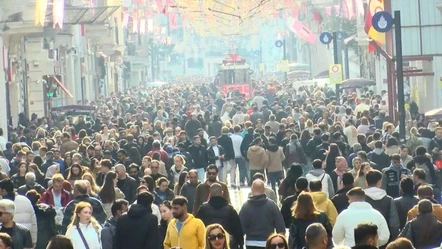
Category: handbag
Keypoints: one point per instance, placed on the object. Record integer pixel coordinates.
(82, 237)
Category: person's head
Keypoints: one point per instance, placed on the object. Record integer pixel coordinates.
(213, 141)
(347, 180)
(356, 194)
(216, 190)
(82, 213)
(277, 241)
(304, 208)
(216, 237)
(395, 160)
(317, 164)
(374, 178)
(7, 210)
(341, 164)
(179, 207)
(366, 234)
(134, 170)
(425, 192)
(258, 187)
(6, 187)
(407, 186)
(193, 176)
(315, 185)
(316, 236)
(81, 187)
(163, 183)
(122, 154)
(400, 243)
(106, 165)
(155, 167)
(301, 184)
(166, 210)
(179, 161)
(60, 242)
(5, 241)
(211, 172)
(145, 199)
(30, 178)
(356, 162)
(419, 176)
(425, 206)
(119, 207)
(120, 169)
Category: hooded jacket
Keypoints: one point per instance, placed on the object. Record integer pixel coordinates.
(174, 175)
(380, 201)
(191, 235)
(139, 218)
(218, 210)
(276, 157)
(324, 204)
(391, 178)
(356, 213)
(270, 219)
(327, 183)
(257, 157)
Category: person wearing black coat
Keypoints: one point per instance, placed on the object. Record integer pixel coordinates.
(125, 183)
(286, 208)
(45, 220)
(245, 144)
(215, 127)
(218, 210)
(406, 202)
(80, 190)
(340, 199)
(139, 218)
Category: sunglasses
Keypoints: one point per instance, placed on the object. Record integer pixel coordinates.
(279, 245)
(219, 236)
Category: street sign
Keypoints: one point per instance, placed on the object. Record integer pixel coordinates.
(335, 74)
(284, 66)
(340, 35)
(279, 43)
(325, 38)
(382, 21)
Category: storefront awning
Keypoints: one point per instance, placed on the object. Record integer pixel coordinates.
(63, 87)
(87, 15)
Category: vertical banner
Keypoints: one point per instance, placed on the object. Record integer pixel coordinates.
(374, 6)
(142, 26)
(58, 13)
(150, 25)
(135, 25)
(125, 19)
(40, 12)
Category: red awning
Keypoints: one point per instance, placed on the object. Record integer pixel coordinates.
(63, 87)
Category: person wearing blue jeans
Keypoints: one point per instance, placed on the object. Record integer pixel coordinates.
(244, 172)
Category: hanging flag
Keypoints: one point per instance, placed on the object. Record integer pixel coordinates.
(150, 25)
(295, 11)
(125, 19)
(374, 6)
(40, 12)
(58, 13)
(360, 7)
(142, 26)
(350, 9)
(160, 5)
(301, 30)
(328, 10)
(135, 25)
(172, 21)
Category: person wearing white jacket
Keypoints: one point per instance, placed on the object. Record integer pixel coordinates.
(84, 230)
(24, 212)
(358, 212)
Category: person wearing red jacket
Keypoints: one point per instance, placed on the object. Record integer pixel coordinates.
(56, 196)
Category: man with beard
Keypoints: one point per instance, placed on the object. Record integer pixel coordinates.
(188, 189)
(202, 191)
(184, 231)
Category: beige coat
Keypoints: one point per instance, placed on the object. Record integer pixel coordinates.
(257, 157)
(275, 159)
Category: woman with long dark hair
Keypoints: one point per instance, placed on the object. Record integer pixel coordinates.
(110, 192)
(330, 159)
(287, 186)
(166, 216)
(181, 180)
(304, 213)
(134, 156)
(19, 178)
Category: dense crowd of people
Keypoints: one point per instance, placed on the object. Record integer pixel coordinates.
(159, 168)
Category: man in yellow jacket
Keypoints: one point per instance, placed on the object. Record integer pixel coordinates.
(185, 231)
